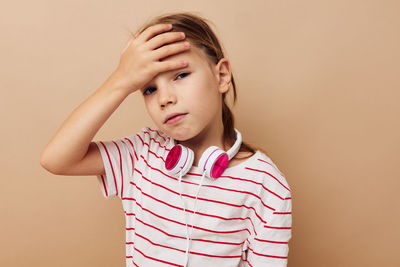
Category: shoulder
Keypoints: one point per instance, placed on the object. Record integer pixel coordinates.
(239, 158)
(272, 177)
(153, 137)
(150, 132)
(265, 162)
(274, 188)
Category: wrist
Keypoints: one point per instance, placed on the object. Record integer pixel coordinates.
(117, 82)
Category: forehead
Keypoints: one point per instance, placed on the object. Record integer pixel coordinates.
(194, 56)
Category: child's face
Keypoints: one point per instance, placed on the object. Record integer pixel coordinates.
(192, 90)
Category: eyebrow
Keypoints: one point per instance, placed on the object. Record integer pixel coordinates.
(168, 73)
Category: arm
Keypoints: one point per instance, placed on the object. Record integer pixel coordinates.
(270, 247)
(70, 151)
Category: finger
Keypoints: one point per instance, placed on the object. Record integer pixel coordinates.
(171, 49)
(153, 30)
(168, 65)
(130, 41)
(164, 38)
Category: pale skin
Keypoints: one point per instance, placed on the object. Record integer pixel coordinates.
(198, 94)
(148, 57)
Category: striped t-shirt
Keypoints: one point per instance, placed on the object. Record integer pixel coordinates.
(242, 218)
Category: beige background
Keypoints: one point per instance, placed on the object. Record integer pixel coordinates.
(318, 84)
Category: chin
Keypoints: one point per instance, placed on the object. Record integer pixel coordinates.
(180, 137)
(181, 134)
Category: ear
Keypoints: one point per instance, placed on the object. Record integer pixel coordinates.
(223, 74)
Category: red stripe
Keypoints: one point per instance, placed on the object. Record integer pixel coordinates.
(220, 188)
(143, 143)
(151, 152)
(266, 255)
(273, 167)
(228, 177)
(194, 227)
(146, 144)
(269, 175)
(166, 175)
(243, 179)
(104, 185)
(199, 198)
(181, 237)
(155, 141)
(155, 244)
(210, 186)
(203, 214)
(112, 169)
(155, 259)
(158, 133)
(120, 168)
(242, 192)
(278, 228)
(133, 148)
(191, 252)
(179, 208)
(270, 241)
(132, 164)
(235, 178)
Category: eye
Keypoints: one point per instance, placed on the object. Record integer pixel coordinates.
(184, 73)
(149, 91)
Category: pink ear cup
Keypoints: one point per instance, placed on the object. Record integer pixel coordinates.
(213, 162)
(219, 166)
(179, 160)
(173, 157)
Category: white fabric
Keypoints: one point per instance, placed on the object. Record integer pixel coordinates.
(242, 218)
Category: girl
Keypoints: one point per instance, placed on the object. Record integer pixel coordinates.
(193, 193)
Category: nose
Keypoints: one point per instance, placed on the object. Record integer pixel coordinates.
(166, 96)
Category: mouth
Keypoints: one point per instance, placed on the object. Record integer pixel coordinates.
(173, 118)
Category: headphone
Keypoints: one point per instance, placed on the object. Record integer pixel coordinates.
(213, 163)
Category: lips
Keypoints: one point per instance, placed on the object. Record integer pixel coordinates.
(171, 116)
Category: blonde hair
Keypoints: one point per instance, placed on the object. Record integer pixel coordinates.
(199, 33)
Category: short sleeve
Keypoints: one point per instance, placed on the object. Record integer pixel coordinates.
(269, 247)
(119, 158)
